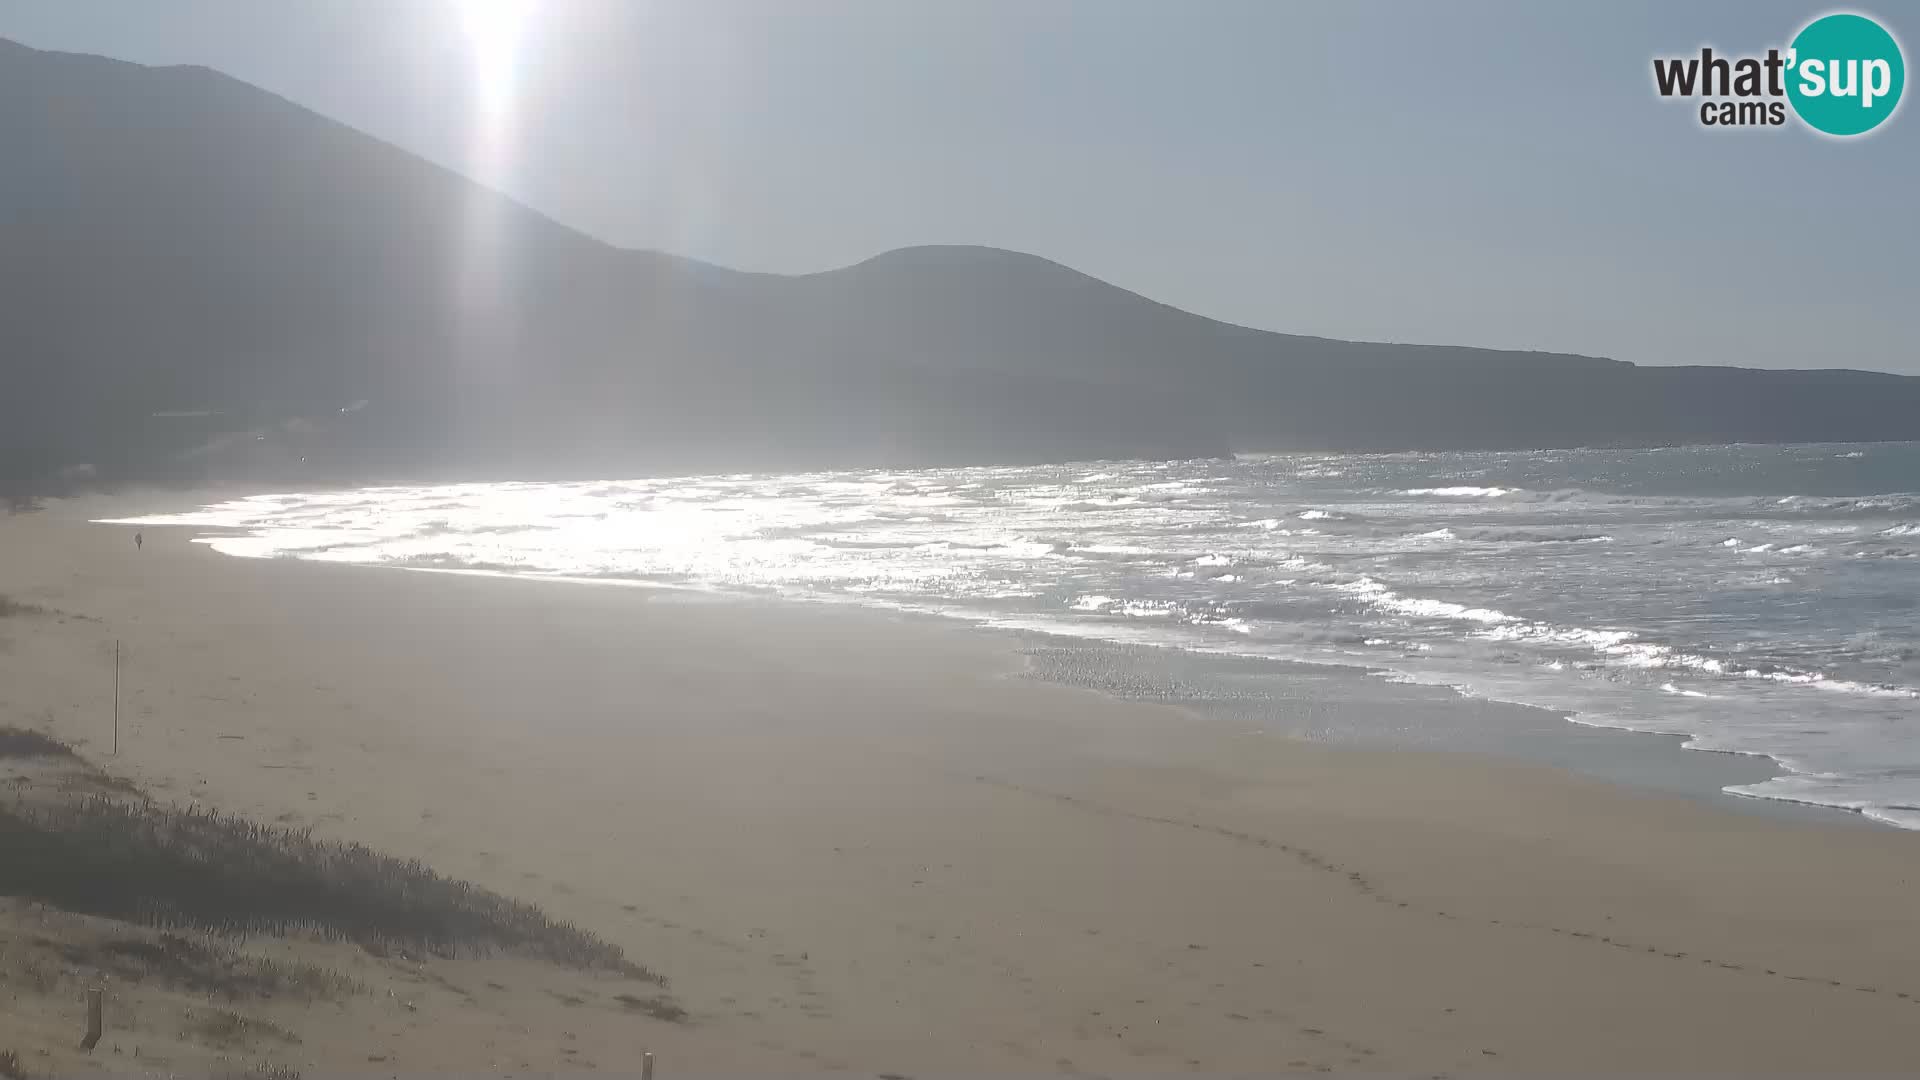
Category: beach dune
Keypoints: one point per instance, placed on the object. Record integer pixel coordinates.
(859, 842)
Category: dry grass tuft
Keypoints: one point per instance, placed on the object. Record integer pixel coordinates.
(206, 968)
(262, 1072)
(191, 868)
(20, 742)
(659, 1008)
(10, 607)
(218, 1027)
(94, 781)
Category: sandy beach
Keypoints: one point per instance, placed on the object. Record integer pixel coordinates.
(862, 843)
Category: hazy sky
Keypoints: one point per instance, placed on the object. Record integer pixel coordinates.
(1477, 173)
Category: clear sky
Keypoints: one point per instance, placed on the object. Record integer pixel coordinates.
(1496, 174)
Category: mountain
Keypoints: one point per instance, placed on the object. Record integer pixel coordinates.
(198, 277)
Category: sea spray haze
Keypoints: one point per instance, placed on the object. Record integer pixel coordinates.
(1760, 599)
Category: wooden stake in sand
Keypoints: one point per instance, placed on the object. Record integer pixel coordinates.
(93, 1019)
(646, 1065)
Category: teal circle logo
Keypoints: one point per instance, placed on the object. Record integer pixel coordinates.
(1845, 74)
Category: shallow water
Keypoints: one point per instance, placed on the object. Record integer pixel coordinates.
(1758, 599)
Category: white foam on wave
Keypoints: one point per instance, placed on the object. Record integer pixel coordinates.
(1462, 491)
(1669, 688)
(1548, 634)
(1843, 686)
(1623, 647)
(1618, 646)
(1833, 791)
(1382, 598)
(1113, 549)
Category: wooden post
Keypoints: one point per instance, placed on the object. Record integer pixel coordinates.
(93, 1019)
(646, 1065)
(116, 697)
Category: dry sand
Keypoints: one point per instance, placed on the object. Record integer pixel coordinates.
(860, 842)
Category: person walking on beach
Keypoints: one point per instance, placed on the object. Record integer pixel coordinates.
(138, 542)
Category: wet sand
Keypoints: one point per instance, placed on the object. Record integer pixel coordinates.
(858, 842)
(1362, 706)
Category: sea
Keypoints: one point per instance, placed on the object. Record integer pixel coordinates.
(1756, 600)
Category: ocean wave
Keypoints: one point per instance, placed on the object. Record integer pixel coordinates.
(1769, 548)
(1854, 506)
(1536, 536)
(1382, 598)
(1017, 549)
(1669, 688)
(1111, 549)
(1540, 633)
(1834, 791)
(1172, 610)
(1462, 492)
(1626, 648)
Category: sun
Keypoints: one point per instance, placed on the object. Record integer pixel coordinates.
(494, 30)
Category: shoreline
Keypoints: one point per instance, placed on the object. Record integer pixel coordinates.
(1635, 758)
(1514, 731)
(859, 842)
